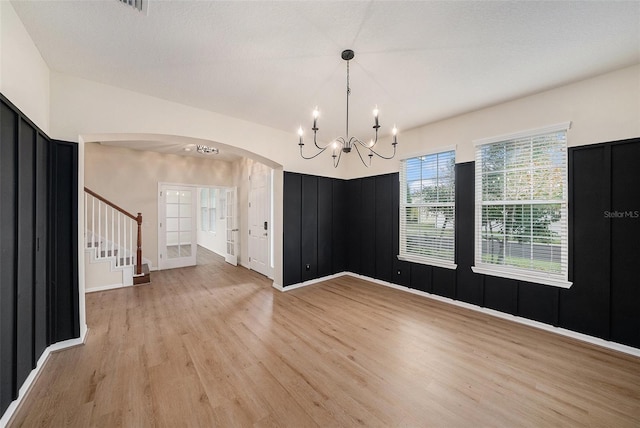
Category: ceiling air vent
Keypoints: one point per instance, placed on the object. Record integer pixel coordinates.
(141, 5)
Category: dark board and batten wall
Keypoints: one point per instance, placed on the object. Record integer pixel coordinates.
(38, 247)
(604, 250)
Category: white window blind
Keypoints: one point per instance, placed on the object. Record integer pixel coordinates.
(521, 207)
(427, 209)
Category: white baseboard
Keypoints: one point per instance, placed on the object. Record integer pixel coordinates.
(310, 282)
(33, 376)
(105, 287)
(520, 320)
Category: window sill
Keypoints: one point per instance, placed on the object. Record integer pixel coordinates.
(427, 261)
(522, 276)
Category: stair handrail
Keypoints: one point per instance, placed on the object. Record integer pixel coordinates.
(138, 220)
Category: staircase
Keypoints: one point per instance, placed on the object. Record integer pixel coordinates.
(113, 246)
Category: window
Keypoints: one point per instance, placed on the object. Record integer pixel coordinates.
(521, 206)
(208, 209)
(427, 209)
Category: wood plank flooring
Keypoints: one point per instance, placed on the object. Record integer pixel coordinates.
(215, 345)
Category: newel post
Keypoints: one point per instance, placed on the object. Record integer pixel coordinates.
(139, 243)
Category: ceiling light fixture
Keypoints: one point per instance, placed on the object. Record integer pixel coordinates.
(206, 150)
(345, 144)
(140, 5)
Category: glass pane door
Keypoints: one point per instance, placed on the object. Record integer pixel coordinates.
(179, 226)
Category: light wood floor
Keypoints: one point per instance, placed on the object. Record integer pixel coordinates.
(215, 345)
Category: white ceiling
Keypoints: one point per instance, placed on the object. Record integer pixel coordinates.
(271, 62)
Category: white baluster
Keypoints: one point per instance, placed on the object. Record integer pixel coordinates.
(119, 221)
(113, 241)
(93, 222)
(130, 243)
(86, 232)
(99, 228)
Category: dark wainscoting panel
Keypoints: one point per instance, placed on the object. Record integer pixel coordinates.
(339, 226)
(538, 302)
(402, 273)
(368, 230)
(64, 244)
(25, 269)
(292, 228)
(385, 226)
(41, 307)
(501, 294)
(422, 277)
(625, 243)
(469, 286)
(325, 226)
(354, 225)
(32, 211)
(585, 306)
(309, 248)
(8, 253)
(444, 282)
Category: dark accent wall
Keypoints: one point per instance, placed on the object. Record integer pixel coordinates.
(604, 248)
(38, 246)
(314, 244)
(333, 225)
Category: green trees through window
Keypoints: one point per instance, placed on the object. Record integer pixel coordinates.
(521, 203)
(427, 208)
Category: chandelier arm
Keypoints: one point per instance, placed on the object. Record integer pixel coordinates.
(336, 159)
(381, 156)
(316, 143)
(359, 155)
(314, 156)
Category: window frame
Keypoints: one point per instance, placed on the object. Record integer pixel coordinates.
(512, 272)
(414, 258)
(212, 194)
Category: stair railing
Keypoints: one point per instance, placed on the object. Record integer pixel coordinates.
(110, 230)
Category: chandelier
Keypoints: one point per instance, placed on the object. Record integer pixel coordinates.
(344, 144)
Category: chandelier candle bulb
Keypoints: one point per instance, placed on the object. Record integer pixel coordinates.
(375, 115)
(316, 113)
(394, 131)
(300, 132)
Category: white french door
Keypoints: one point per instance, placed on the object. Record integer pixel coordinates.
(232, 226)
(177, 242)
(260, 220)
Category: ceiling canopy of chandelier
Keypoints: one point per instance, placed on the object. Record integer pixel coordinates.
(344, 144)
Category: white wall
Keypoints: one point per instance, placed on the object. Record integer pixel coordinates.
(603, 108)
(24, 76)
